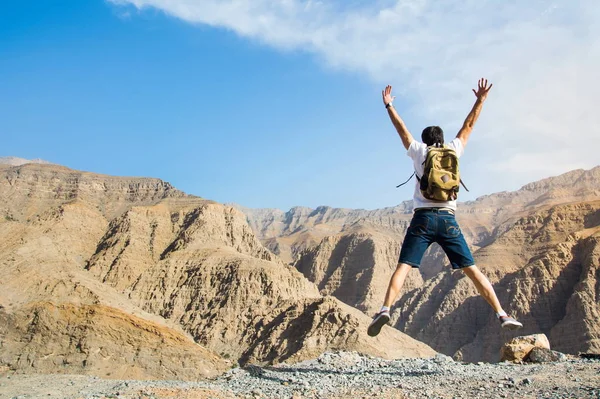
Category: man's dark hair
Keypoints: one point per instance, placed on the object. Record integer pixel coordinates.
(432, 135)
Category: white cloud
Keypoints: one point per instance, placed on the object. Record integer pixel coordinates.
(543, 57)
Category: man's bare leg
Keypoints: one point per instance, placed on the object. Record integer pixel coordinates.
(394, 287)
(486, 290)
(396, 283)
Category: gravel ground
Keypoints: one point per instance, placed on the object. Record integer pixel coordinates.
(341, 375)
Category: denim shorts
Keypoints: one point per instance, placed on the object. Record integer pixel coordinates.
(430, 225)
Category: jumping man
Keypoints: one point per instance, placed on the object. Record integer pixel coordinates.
(434, 220)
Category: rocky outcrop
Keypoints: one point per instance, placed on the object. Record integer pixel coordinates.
(143, 236)
(306, 329)
(98, 340)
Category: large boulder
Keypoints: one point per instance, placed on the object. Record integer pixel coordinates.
(518, 348)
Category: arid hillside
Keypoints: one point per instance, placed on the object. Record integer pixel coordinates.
(131, 278)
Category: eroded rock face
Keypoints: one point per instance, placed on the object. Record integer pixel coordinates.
(290, 233)
(30, 189)
(308, 328)
(355, 267)
(143, 236)
(102, 341)
(248, 308)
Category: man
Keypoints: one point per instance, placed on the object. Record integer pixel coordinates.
(434, 221)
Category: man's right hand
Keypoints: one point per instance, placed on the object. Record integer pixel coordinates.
(482, 89)
(387, 95)
(403, 132)
(481, 94)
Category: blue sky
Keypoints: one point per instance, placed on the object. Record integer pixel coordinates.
(278, 103)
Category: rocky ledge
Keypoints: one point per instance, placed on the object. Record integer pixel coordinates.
(342, 375)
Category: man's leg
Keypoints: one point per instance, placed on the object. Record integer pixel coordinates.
(396, 283)
(454, 245)
(486, 290)
(394, 287)
(419, 236)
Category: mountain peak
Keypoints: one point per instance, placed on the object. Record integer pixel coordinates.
(16, 161)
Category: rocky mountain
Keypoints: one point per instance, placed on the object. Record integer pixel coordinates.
(131, 278)
(274, 225)
(351, 254)
(16, 161)
(287, 234)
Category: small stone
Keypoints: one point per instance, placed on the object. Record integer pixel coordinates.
(441, 358)
(544, 355)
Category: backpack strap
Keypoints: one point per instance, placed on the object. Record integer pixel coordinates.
(400, 185)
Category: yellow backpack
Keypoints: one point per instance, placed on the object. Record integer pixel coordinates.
(441, 177)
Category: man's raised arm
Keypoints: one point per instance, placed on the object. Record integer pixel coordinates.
(481, 94)
(405, 135)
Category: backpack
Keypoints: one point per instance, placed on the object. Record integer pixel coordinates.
(441, 177)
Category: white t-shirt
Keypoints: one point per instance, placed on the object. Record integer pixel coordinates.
(417, 152)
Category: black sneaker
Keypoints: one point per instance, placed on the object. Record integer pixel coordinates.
(380, 319)
(509, 323)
